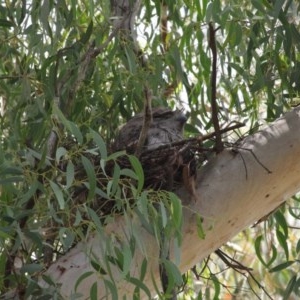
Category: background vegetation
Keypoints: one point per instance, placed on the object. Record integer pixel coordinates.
(67, 73)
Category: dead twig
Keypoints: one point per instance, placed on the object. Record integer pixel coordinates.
(236, 149)
(231, 262)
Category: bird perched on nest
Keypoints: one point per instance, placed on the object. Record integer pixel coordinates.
(163, 168)
(166, 127)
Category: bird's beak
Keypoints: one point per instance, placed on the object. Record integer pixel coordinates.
(181, 118)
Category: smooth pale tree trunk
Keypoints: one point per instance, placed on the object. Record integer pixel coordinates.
(233, 191)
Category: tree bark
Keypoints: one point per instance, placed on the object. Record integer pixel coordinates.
(234, 190)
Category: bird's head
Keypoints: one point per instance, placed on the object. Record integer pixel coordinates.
(180, 119)
(165, 117)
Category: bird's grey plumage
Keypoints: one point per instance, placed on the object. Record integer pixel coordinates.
(166, 127)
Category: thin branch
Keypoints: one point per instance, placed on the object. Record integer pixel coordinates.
(238, 267)
(214, 106)
(87, 58)
(113, 34)
(259, 285)
(146, 122)
(164, 25)
(164, 32)
(230, 262)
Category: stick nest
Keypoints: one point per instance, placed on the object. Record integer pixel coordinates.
(162, 168)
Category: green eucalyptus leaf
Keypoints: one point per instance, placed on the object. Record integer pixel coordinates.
(89, 169)
(282, 266)
(94, 291)
(140, 286)
(100, 143)
(137, 167)
(58, 194)
(60, 152)
(70, 174)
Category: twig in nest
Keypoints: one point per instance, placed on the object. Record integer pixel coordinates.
(198, 139)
